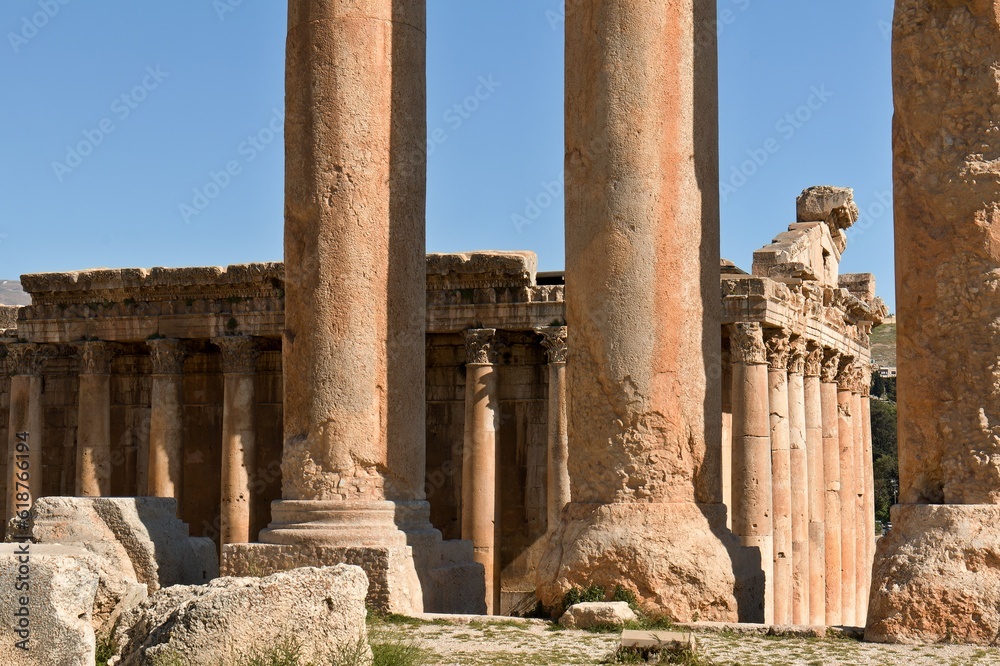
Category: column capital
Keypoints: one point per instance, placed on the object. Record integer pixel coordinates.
(239, 354)
(747, 343)
(831, 366)
(96, 357)
(778, 348)
(554, 341)
(798, 355)
(866, 378)
(167, 356)
(814, 360)
(481, 346)
(27, 358)
(849, 375)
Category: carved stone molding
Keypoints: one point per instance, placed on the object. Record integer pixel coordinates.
(814, 360)
(831, 366)
(797, 357)
(167, 356)
(849, 376)
(778, 344)
(28, 358)
(481, 346)
(239, 354)
(554, 341)
(747, 343)
(96, 357)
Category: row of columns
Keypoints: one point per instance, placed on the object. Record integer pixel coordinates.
(802, 491)
(480, 467)
(165, 460)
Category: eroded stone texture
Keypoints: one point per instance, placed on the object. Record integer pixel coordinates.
(799, 471)
(778, 351)
(597, 614)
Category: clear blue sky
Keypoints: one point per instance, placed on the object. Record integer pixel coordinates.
(187, 88)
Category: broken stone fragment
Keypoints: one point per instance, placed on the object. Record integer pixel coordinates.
(825, 203)
(597, 614)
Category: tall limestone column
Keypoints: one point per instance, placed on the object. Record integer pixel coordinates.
(799, 470)
(93, 432)
(239, 436)
(848, 501)
(557, 459)
(868, 505)
(945, 539)
(817, 485)
(752, 469)
(25, 427)
(726, 477)
(778, 350)
(642, 305)
(862, 564)
(831, 477)
(480, 520)
(166, 419)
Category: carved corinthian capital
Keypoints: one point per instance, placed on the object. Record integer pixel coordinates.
(778, 344)
(866, 379)
(554, 341)
(481, 346)
(747, 343)
(96, 357)
(167, 356)
(849, 375)
(797, 357)
(814, 360)
(27, 358)
(239, 354)
(831, 366)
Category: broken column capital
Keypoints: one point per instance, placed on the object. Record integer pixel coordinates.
(554, 341)
(239, 354)
(167, 356)
(747, 343)
(28, 358)
(96, 357)
(481, 346)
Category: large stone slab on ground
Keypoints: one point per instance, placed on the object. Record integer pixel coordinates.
(57, 586)
(591, 614)
(321, 608)
(937, 576)
(141, 536)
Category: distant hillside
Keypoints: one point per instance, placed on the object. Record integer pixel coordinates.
(884, 345)
(12, 294)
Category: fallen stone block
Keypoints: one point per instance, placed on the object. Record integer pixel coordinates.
(322, 609)
(659, 640)
(597, 614)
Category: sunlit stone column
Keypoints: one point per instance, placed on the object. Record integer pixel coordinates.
(558, 491)
(778, 350)
(642, 306)
(861, 563)
(726, 476)
(848, 495)
(799, 466)
(752, 473)
(479, 460)
(239, 436)
(166, 420)
(817, 485)
(25, 426)
(93, 432)
(831, 477)
(868, 505)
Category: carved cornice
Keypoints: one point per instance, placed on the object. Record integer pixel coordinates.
(831, 366)
(747, 343)
(96, 357)
(554, 341)
(797, 357)
(167, 356)
(28, 358)
(778, 344)
(481, 346)
(239, 354)
(849, 377)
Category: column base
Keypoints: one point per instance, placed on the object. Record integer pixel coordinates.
(410, 569)
(677, 558)
(937, 576)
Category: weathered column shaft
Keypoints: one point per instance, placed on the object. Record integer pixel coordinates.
(831, 477)
(480, 522)
(166, 422)
(817, 486)
(93, 433)
(25, 428)
(848, 494)
(868, 506)
(726, 475)
(778, 350)
(557, 459)
(799, 469)
(239, 437)
(862, 565)
(752, 472)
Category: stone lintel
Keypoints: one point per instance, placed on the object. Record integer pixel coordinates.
(477, 270)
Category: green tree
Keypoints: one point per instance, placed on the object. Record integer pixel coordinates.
(878, 386)
(890, 388)
(885, 465)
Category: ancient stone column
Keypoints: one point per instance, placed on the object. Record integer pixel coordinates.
(480, 522)
(945, 537)
(166, 423)
(799, 471)
(752, 471)
(862, 565)
(831, 477)
(817, 485)
(642, 305)
(778, 350)
(239, 436)
(25, 426)
(93, 432)
(868, 505)
(848, 501)
(558, 490)
(726, 477)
